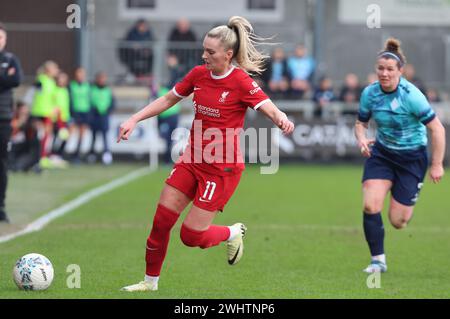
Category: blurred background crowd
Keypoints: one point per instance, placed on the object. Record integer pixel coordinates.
(78, 81)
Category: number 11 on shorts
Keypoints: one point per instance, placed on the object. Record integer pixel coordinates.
(210, 188)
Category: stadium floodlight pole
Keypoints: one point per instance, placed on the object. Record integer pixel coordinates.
(384, 35)
(83, 38)
(318, 22)
(159, 49)
(153, 144)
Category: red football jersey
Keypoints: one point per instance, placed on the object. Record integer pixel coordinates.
(220, 103)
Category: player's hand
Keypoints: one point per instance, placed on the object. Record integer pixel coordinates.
(285, 125)
(365, 146)
(436, 172)
(125, 129)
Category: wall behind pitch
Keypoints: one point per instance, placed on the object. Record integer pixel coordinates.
(111, 25)
(353, 47)
(37, 32)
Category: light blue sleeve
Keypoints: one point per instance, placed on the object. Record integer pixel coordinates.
(364, 112)
(419, 106)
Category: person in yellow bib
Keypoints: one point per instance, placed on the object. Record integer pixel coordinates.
(102, 101)
(42, 109)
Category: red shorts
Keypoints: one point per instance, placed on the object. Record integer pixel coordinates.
(208, 191)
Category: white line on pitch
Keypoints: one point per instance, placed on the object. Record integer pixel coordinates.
(41, 222)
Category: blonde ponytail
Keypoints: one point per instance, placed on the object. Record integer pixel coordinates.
(238, 35)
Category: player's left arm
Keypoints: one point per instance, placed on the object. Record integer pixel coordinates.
(253, 96)
(278, 117)
(420, 107)
(437, 131)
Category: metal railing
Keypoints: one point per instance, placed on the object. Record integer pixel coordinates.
(140, 60)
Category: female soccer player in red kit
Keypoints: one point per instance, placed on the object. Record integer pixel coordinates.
(208, 172)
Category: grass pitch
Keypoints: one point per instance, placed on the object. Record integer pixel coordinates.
(304, 240)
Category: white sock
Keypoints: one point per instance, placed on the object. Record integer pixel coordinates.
(234, 231)
(152, 279)
(381, 258)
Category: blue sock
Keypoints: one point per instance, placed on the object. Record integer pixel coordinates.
(374, 232)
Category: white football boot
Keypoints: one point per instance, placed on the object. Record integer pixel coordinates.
(375, 266)
(235, 247)
(141, 286)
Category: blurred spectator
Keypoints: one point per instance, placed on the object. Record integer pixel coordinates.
(301, 67)
(80, 108)
(62, 115)
(323, 95)
(351, 91)
(409, 72)
(433, 96)
(10, 77)
(25, 146)
(43, 108)
(350, 94)
(276, 75)
(102, 101)
(371, 78)
(167, 123)
(176, 70)
(180, 34)
(135, 51)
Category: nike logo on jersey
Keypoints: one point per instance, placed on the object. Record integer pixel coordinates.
(197, 88)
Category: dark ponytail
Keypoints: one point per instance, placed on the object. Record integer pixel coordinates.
(392, 50)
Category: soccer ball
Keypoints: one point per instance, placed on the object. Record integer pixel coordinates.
(33, 272)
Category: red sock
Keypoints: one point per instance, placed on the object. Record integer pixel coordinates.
(59, 122)
(47, 136)
(44, 143)
(158, 240)
(213, 236)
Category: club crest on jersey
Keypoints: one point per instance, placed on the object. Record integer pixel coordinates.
(394, 104)
(223, 96)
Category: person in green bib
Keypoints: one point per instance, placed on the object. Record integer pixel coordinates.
(62, 114)
(80, 107)
(102, 102)
(167, 123)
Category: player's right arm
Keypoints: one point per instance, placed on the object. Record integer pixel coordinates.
(362, 124)
(154, 108)
(364, 143)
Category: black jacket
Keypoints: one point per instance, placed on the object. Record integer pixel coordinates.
(8, 82)
(267, 74)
